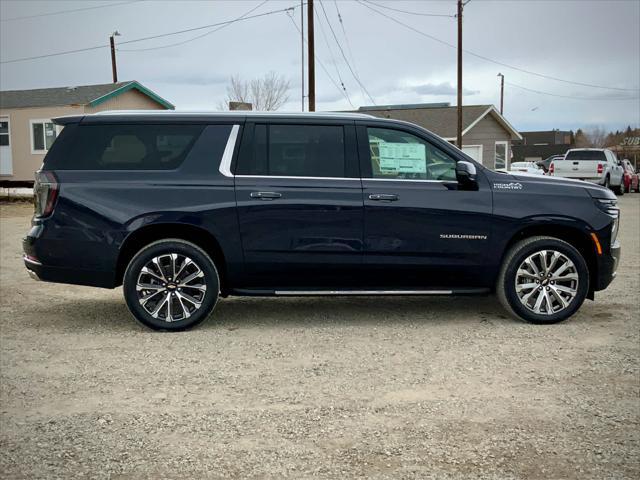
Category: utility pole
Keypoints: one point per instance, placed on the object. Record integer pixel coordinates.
(302, 52)
(311, 59)
(459, 136)
(114, 68)
(501, 93)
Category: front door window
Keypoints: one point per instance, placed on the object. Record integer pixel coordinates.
(396, 154)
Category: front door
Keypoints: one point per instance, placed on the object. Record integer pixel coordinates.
(420, 229)
(6, 163)
(299, 202)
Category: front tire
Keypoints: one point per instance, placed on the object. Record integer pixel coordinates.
(543, 280)
(171, 284)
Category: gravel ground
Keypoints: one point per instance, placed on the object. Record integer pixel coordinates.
(328, 388)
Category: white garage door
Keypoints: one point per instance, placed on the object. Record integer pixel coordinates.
(474, 151)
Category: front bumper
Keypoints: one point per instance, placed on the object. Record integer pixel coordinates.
(607, 267)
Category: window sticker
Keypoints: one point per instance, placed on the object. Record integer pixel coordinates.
(402, 157)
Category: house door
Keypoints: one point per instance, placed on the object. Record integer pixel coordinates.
(6, 164)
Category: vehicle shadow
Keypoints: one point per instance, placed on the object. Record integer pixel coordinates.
(259, 312)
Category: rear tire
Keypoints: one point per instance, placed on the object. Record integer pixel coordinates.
(171, 285)
(551, 297)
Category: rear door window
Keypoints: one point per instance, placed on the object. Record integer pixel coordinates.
(128, 147)
(296, 151)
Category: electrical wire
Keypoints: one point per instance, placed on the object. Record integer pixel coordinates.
(344, 93)
(482, 57)
(168, 34)
(355, 76)
(60, 12)
(333, 60)
(194, 38)
(346, 39)
(568, 96)
(410, 13)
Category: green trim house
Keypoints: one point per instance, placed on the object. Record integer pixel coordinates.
(26, 129)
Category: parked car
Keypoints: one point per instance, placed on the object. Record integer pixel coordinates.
(182, 209)
(630, 177)
(596, 165)
(544, 164)
(526, 167)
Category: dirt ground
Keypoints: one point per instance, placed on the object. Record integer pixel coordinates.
(316, 387)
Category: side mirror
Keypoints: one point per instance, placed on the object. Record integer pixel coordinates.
(466, 175)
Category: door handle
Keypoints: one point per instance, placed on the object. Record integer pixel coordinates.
(383, 197)
(265, 195)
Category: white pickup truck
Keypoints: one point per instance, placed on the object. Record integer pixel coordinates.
(596, 165)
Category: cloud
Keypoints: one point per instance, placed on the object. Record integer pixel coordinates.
(436, 89)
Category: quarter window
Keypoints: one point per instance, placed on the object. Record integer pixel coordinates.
(43, 134)
(296, 151)
(400, 155)
(129, 147)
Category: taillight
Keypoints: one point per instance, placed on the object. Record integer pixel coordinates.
(552, 169)
(600, 168)
(45, 193)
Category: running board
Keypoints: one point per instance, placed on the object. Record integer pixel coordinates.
(308, 293)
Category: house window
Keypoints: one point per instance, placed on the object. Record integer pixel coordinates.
(501, 155)
(4, 133)
(43, 134)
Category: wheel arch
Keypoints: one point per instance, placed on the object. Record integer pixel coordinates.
(143, 236)
(577, 237)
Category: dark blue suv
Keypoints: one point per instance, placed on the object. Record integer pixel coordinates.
(183, 208)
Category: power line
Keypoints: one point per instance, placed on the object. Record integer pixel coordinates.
(344, 94)
(194, 38)
(569, 96)
(346, 39)
(482, 57)
(411, 13)
(333, 60)
(264, 14)
(60, 12)
(343, 55)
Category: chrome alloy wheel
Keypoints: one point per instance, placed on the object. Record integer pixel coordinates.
(171, 287)
(546, 282)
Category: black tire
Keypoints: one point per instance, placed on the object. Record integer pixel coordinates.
(188, 313)
(607, 182)
(619, 190)
(506, 285)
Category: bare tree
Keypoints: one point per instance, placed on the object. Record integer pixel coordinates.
(597, 137)
(267, 93)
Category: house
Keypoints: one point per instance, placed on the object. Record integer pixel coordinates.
(539, 145)
(486, 134)
(26, 130)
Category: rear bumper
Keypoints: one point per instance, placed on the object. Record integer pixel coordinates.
(607, 267)
(35, 249)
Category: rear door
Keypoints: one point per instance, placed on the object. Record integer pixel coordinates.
(299, 202)
(420, 230)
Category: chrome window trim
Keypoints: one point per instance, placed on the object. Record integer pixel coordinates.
(227, 155)
(286, 177)
(408, 180)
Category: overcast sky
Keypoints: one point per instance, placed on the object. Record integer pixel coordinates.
(585, 41)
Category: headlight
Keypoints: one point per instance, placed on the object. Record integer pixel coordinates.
(610, 207)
